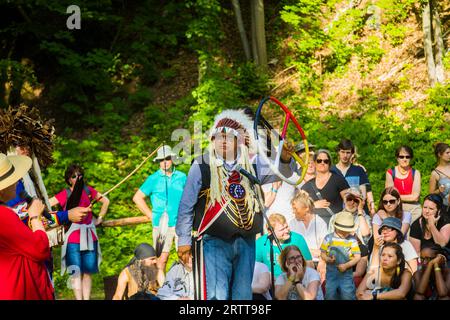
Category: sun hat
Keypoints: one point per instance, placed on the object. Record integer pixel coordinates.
(164, 152)
(12, 169)
(345, 221)
(354, 192)
(391, 222)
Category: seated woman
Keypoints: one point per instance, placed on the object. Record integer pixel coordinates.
(390, 206)
(390, 231)
(406, 180)
(297, 282)
(432, 280)
(140, 275)
(392, 281)
(432, 227)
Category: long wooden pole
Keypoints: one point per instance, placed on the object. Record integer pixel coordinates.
(125, 221)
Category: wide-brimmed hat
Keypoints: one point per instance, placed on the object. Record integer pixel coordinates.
(164, 152)
(300, 147)
(391, 222)
(354, 192)
(12, 168)
(345, 221)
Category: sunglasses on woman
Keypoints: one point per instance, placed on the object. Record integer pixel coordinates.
(404, 157)
(74, 176)
(392, 201)
(326, 161)
(166, 159)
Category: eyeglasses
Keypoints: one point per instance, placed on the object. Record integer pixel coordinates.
(404, 157)
(326, 161)
(74, 176)
(352, 199)
(388, 229)
(166, 159)
(392, 201)
(293, 259)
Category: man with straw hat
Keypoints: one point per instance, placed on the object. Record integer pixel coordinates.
(340, 251)
(164, 188)
(23, 251)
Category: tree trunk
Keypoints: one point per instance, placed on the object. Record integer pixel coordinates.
(439, 45)
(253, 23)
(260, 32)
(428, 43)
(240, 25)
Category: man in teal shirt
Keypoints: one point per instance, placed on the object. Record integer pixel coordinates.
(164, 187)
(287, 238)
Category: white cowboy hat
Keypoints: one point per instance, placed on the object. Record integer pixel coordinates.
(12, 168)
(164, 152)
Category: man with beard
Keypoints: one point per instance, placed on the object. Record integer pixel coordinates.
(140, 276)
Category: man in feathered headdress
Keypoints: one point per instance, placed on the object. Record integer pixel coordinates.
(220, 210)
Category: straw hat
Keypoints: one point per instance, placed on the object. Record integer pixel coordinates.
(344, 221)
(12, 168)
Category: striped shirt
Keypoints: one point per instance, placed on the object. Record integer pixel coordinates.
(344, 249)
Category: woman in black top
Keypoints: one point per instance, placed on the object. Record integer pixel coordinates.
(327, 189)
(431, 227)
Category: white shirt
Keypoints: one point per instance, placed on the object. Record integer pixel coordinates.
(310, 276)
(261, 268)
(314, 234)
(282, 202)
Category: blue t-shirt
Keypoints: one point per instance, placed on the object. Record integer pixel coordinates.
(155, 188)
(263, 250)
(355, 176)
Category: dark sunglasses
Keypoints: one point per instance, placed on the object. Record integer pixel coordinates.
(392, 201)
(404, 157)
(353, 199)
(326, 161)
(166, 159)
(74, 176)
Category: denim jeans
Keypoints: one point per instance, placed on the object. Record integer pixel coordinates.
(339, 285)
(229, 267)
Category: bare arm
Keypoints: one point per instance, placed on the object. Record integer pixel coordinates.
(389, 181)
(105, 204)
(361, 267)
(362, 288)
(139, 200)
(281, 291)
(121, 286)
(363, 225)
(442, 236)
(308, 293)
(434, 180)
(262, 283)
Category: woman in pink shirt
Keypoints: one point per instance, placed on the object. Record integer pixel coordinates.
(81, 250)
